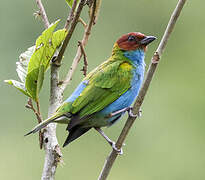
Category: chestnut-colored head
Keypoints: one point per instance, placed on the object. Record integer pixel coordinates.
(134, 40)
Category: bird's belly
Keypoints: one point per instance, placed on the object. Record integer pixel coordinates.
(125, 100)
(102, 118)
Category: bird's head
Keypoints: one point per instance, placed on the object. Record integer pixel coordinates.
(133, 41)
(132, 46)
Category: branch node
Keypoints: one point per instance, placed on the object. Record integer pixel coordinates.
(89, 3)
(28, 106)
(60, 82)
(57, 155)
(42, 13)
(155, 58)
(55, 62)
(41, 142)
(82, 22)
(37, 14)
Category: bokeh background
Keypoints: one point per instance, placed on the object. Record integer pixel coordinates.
(168, 142)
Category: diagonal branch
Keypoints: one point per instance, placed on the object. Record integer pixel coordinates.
(85, 66)
(37, 112)
(43, 13)
(154, 62)
(83, 43)
(71, 15)
(70, 32)
(29, 105)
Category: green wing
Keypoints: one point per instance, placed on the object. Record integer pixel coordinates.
(106, 84)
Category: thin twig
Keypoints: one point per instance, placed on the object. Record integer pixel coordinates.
(37, 112)
(97, 10)
(82, 22)
(41, 137)
(38, 109)
(29, 105)
(70, 32)
(85, 66)
(43, 13)
(71, 15)
(79, 52)
(154, 62)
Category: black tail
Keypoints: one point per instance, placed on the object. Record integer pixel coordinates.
(75, 133)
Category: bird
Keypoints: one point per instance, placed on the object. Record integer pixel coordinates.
(106, 93)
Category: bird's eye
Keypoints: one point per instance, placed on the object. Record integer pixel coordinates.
(131, 38)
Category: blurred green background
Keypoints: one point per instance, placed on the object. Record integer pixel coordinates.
(168, 142)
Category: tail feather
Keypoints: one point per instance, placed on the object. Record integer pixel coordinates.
(43, 124)
(75, 133)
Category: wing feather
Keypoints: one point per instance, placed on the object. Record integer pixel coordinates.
(106, 84)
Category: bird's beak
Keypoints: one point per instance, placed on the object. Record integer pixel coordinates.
(147, 40)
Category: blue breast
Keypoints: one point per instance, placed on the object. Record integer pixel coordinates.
(126, 99)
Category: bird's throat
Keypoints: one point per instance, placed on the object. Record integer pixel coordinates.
(136, 56)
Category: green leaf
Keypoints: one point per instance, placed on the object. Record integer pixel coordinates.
(40, 60)
(58, 37)
(42, 51)
(19, 85)
(70, 2)
(21, 68)
(40, 79)
(22, 64)
(35, 61)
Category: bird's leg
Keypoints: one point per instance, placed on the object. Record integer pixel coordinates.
(129, 110)
(112, 143)
(119, 111)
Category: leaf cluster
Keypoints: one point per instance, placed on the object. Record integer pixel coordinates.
(34, 62)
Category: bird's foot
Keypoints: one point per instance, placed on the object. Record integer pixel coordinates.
(111, 143)
(119, 151)
(130, 112)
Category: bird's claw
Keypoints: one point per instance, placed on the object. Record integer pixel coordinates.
(130, 112)
(119, 151)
